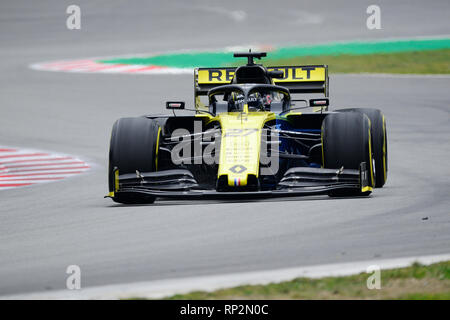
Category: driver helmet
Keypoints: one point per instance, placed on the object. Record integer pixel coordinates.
(255, 101)
(235, 101)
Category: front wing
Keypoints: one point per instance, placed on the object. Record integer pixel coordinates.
(298, 181)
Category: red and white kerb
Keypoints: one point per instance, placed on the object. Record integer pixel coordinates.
(24, 167)
(92, 66)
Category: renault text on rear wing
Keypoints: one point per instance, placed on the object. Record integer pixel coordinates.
(298, 79)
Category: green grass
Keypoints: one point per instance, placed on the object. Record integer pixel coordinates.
(192, 59)
(415, 282)
(420, 62)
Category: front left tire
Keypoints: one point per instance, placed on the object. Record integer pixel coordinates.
(346, 143)
(379, 142)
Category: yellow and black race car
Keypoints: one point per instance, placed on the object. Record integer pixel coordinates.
(247, 137)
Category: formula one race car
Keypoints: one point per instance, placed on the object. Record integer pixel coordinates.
(249, 138)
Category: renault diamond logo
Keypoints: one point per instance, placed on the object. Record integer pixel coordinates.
(238, 168)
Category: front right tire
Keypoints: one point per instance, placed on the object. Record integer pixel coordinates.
(133, 146)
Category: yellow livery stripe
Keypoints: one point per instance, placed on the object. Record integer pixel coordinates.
(116, 180)
(157, 149)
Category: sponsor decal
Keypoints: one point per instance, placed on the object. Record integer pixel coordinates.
(238, 168)
(290, 74)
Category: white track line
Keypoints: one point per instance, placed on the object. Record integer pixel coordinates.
(163, 288)
(236, 15)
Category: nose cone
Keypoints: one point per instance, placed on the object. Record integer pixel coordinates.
(240, 146)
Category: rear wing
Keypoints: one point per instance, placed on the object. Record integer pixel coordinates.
(298, 79)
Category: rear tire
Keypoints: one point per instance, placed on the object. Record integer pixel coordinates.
(379, 142)
(132, 147)
(346, 142)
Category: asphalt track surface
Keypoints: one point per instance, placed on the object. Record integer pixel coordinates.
(45, 228)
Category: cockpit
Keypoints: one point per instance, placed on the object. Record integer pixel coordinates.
(248, 98)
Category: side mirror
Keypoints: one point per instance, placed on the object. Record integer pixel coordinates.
(325, 102)
(175, 105)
